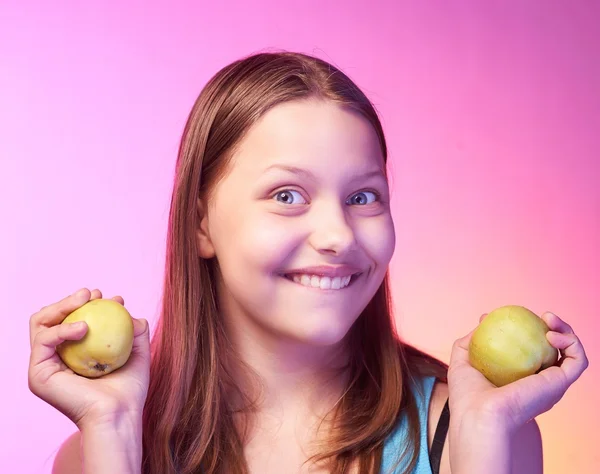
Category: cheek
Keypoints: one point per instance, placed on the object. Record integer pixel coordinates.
(255, 241)
(378, 238)
(270, 241)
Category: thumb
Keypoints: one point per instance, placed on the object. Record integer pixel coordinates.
(140, 352)
(460, 349)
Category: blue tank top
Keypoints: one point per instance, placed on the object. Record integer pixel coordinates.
(395, 444)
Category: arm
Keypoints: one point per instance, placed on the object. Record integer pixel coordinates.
(527, 455)
(123, 441)
(526, 443)
(484, 447)
(102, 449)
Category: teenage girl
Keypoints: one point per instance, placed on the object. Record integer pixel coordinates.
(275, 350)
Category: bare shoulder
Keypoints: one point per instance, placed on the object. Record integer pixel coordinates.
(527, 454)
(68, 458)
(439, 397)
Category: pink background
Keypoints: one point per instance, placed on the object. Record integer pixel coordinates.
(491, 109)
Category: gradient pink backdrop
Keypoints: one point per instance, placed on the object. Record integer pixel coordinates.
(491, 109)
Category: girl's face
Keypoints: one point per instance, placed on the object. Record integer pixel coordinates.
(301, 225)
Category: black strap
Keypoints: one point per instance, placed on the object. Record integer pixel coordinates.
(439, 438)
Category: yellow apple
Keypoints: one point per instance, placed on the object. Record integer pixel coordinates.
(509, 344)
(107, 343)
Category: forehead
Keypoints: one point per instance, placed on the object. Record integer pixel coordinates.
(316, 135)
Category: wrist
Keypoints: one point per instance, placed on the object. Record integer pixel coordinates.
(121, 437)
(110, 421)
(479, 443)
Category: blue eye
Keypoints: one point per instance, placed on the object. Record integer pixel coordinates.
(289, 197)
(362, 198)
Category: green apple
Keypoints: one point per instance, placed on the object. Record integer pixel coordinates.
(106, 345)
(509, 344)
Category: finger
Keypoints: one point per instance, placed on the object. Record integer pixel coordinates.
(56, 312)
(139, 326)
(96, 294)
(460, 349)
(45, 342)
(533, 395)
(556, 324)
(461, 371)
(118, 299)
(140, 353)
(463, 342)
(574, 360)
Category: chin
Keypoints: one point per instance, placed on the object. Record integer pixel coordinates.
(322, 336)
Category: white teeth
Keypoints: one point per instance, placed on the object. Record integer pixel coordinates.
(324, 283)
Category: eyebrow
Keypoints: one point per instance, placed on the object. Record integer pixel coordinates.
(308, 175)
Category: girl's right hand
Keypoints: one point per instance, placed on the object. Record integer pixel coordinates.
(86, 401)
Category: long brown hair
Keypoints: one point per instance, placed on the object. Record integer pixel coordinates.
(188, 426)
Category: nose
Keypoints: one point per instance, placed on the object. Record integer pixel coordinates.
(332, 234)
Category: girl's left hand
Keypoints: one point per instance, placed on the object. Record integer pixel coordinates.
(513, 405)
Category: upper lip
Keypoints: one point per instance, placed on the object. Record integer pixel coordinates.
(326, 270)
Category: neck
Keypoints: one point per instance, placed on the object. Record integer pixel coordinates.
(287, 377)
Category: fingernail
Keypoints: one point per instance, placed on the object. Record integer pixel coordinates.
(77, 325)
(78, 293)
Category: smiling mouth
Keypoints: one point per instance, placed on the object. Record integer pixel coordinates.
(322, 282)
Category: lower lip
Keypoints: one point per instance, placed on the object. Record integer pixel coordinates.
(352, 281)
